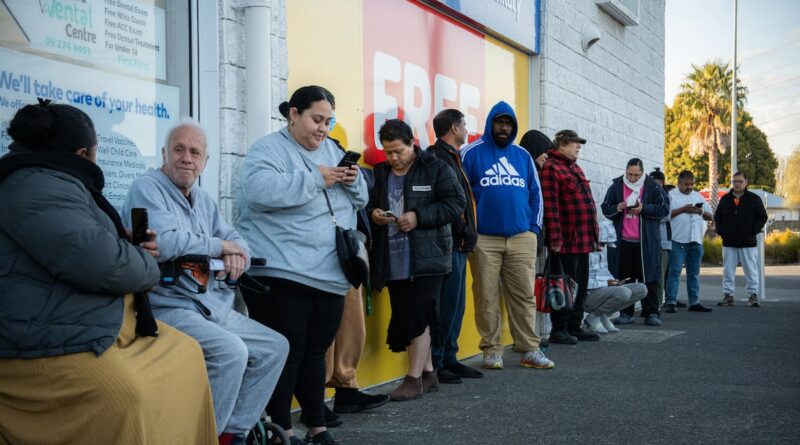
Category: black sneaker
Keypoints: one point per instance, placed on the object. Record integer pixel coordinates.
(323, 438)
(582, 335)
(561, 336)
(351, 400)
(671, 308)
(699, 308)
(681, 304)
(331, 419)
(447, 376)
(463, 371)
(752, 301)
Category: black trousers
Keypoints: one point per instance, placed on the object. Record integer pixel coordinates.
(309, 318)
(576, 266)
(630, 266)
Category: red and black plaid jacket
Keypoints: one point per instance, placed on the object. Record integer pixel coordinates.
(570, 214)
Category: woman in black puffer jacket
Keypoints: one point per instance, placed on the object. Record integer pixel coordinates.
(412, 246)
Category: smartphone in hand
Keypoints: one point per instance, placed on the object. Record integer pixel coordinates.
(139, 225)
(699, 205)
(389, 214)
(350, 158)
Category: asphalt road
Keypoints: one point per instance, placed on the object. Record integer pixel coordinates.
(730, 376)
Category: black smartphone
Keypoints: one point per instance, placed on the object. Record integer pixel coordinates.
(350, 158)
(699, 205)
(138, 225)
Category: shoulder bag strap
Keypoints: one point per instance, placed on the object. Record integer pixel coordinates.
(324, 192)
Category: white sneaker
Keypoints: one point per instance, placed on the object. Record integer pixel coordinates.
(493, 361)
(536, 359)
(608, 324)
(595, 325)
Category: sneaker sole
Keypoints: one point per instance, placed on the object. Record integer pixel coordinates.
(492, 366)
(535, 366)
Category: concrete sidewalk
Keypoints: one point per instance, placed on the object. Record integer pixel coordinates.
(730, 376)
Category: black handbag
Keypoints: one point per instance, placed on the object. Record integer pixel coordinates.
(557, 289)
(351, 250)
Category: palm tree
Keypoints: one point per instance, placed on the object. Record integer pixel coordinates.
(706, 92)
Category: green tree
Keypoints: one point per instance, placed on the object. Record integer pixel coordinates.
(706, 95)
(754, 156)
(791, 178)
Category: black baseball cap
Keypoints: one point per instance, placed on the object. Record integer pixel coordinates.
(568, 136)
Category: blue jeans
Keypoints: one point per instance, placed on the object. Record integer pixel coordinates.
(451, 312)
(689, 254)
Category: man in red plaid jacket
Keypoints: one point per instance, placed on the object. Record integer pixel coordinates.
(570, 217)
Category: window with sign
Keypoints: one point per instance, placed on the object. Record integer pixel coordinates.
(126, 63)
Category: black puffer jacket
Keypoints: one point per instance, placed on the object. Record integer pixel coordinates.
(432, 191)
(739, 224)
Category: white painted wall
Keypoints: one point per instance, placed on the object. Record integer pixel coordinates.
(612, 95)
(232, 98)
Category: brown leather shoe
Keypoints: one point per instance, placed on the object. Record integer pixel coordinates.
(430, 381)
(410, 389)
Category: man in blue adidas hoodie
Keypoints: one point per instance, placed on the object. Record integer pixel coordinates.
(509, 213)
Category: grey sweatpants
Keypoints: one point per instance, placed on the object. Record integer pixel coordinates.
(244, 360)
(610, 299)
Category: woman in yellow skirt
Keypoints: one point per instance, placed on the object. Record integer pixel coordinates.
(82, 360)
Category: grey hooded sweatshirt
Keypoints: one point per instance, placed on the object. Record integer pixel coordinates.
(183, 228)
(284, 216)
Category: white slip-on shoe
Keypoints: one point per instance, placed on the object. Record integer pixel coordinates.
(608, 324)
(595, 325)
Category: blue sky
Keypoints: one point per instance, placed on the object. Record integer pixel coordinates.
(768, 55)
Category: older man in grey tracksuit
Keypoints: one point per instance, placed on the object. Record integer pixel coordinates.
(244, 358)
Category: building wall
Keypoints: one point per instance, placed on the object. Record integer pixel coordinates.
(613, 94)
(232, 99)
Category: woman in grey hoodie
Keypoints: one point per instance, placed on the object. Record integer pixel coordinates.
(288, 179)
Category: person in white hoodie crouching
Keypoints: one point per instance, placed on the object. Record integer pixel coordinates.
(607, 294)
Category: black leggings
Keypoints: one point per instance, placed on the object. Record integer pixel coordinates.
(309, 319)
(630, 266)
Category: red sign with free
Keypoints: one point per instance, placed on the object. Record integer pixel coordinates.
(416, 63)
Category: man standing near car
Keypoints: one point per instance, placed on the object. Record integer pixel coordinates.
(739, 218)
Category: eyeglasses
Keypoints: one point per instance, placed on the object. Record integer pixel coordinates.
(739, 181)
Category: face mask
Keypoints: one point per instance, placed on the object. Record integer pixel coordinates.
(332, 123)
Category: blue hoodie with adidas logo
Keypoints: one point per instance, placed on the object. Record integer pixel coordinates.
(504, 181)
